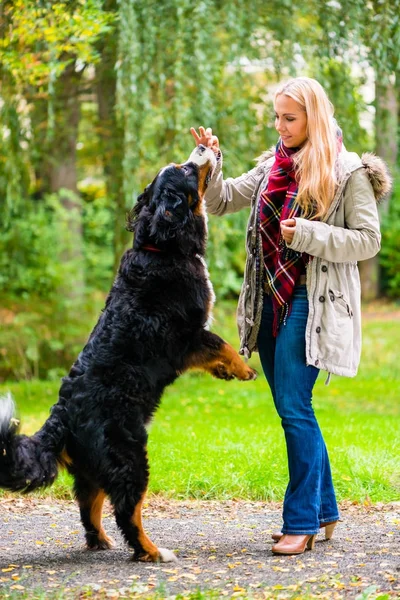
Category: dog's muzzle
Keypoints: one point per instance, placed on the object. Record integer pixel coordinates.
(204, 158)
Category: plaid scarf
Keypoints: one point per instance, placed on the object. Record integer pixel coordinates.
(283, 266)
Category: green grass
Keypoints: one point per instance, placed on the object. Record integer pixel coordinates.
(214, 439)
(160, 593)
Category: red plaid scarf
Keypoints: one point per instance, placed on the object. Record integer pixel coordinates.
(283, 266)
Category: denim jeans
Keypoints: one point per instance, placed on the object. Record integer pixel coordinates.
(310, 497)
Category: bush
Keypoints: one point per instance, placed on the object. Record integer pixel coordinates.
(42, 338)
(45, 316)
(35, 248)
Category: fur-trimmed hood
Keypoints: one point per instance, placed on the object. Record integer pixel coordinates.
(376, 168)
(378, 173)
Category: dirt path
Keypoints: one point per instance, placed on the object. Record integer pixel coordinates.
(223, 546)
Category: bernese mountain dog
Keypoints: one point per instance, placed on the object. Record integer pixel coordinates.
(154, 326)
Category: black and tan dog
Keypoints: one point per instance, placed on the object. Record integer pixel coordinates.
(152, 329)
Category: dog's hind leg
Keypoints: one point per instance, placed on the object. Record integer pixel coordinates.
(218, 358)
(128, 502)
(90, 500)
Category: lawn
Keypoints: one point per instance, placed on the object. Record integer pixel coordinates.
(214, 439)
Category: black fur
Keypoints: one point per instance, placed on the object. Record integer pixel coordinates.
(151, 329)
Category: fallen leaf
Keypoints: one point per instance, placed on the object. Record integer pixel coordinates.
(165, 571)
(189, 576)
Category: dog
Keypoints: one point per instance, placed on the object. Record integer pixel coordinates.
(154, 326)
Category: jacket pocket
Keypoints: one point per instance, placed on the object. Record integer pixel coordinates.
(342, 304)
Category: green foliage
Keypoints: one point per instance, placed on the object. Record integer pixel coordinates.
(42, 339)
(14, 180)
(177, 65)
(42, 38)
(343, 88)
(33, 245)
(44, 325)
(389, 256)
(366, 31)
(191, 71)
(37, 42)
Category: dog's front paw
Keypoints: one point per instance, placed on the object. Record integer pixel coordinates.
(251, 374)
(163, 555)
(167, 555)
(243, 372)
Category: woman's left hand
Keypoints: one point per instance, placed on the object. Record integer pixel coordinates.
(288, 227)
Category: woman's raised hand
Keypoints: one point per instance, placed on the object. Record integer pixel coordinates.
(205, 137)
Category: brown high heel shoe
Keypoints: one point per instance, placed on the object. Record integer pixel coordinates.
(329, 528)
(294, 544)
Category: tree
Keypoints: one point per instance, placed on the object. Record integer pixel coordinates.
(44, 50)
(371, 32)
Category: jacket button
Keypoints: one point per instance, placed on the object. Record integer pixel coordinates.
(318, 330)
(322, 298)
(324, 268)
(316, 362)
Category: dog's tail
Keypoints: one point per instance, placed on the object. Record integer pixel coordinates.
(27, 463)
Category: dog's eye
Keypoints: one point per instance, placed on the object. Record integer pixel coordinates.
(185, 169)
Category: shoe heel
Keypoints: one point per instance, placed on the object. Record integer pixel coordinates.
(311, 542)
(329, 529)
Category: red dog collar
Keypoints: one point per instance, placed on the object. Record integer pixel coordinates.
(151, 248)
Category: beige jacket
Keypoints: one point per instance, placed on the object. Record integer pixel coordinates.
(348, 233)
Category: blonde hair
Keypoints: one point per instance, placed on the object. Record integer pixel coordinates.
(316, 160)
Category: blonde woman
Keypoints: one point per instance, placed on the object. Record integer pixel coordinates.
(313, 216)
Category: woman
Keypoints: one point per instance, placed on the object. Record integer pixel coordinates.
(313, 216)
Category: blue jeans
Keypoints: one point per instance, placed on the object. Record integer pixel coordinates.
(310, 497)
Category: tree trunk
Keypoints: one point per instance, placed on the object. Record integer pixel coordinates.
(60, 171)
(111, 135)
(386, 127)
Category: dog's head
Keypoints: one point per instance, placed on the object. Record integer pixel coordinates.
(173, 200)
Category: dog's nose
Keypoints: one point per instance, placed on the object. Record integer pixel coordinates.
(202, 148)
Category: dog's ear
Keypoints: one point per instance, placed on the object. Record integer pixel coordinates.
(142, 201)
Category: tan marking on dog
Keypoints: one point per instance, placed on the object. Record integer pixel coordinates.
(203, 171)
(151, 550)
(64, 459)
(96, 518)
(226, 362)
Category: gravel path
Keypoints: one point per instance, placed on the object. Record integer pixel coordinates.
(220, 545)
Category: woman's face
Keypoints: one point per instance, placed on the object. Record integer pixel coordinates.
(290, 121)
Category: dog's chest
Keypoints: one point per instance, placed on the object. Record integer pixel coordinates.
(209, 289)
